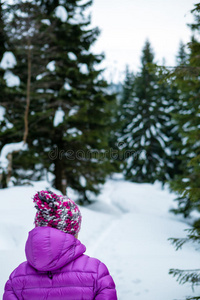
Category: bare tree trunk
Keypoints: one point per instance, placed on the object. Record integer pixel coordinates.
(9, 168)
(60, 177)
(27, 92)
(64, 182)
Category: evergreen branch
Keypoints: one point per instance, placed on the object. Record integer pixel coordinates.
(193, 298)
(183, 276)
(179, 67)
(177, 242)
(192, 236)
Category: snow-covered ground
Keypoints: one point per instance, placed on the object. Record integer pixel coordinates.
(127, 228)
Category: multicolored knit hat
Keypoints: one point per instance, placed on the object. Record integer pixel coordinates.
(57, 211)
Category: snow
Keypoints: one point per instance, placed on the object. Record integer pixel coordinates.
(153, 130)
(2, 113)
(46, 21)
(74, 131)
(148, 134)
(72, 56)
(83, 181)
(10, 148)
(75, 20)
(11, 79)
(168, 151)
(40, 76)
(59, 117)
(67, 86)
(51, 66)
(73, 111)
(184, 140)
(185, 180)
(8, 61)
(127, 228)
(2, 118)
(40, 90)
(141, 125)
(78, 16)
(142, 154)
(162, 143)
(83, 68)
(61, 13)
(142, 141)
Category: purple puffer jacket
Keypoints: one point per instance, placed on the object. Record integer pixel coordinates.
(57, 269)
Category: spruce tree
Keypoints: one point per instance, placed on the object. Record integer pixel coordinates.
(182, 57)
(25, 37)
(70, 117)
(187, 118)
(147, 128)
(180, 117)
(187, 184)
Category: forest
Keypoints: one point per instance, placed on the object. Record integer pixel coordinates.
(62, 121)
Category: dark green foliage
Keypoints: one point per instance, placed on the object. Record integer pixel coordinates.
(65, 80)
(188, 119)
(5, 91)
(2, 33)
(187, 183)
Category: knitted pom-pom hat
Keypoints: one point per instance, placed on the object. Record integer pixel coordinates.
(57, 211)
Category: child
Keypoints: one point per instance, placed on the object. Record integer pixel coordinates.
(56, 267)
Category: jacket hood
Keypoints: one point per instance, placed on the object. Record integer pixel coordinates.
(49, 249)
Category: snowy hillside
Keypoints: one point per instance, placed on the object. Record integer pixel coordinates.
(127, 228)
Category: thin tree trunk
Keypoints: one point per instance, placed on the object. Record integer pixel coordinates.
(9, 168)
(60, 177)
(27, 92)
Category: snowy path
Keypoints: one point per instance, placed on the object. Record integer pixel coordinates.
(136, 249)
(127, 229)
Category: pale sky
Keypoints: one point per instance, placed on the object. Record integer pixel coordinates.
(126, 24)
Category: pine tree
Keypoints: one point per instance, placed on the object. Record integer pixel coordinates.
(70, 117)
(180, 117)
(147, 128)
(187, 118)
(22, 29)
(182, 57)
(187, 184)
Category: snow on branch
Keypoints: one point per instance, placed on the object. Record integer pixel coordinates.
(61, 13)
(59, 117)
(8, 61)
(7, 149)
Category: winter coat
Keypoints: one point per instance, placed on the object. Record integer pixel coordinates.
(57, 269)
